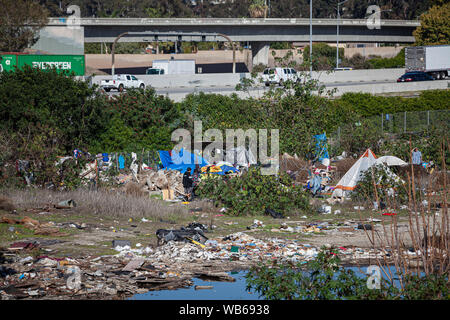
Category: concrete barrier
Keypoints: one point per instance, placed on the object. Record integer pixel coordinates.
(378, 88)
(393, 87)
(230, 80)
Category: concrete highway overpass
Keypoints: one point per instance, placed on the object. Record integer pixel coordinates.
(258, 32)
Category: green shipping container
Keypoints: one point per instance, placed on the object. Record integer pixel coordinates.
(63, 63)
(7, 62)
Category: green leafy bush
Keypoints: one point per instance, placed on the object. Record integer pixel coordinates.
(383, 63)
(319, 279)
(390, 188)
(323, 56)
(324, 278)
(30, 97)
(139, 119)
(252, 193)
(366, 104)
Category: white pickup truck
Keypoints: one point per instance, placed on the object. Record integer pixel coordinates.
(120, 82)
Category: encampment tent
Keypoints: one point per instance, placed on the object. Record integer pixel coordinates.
(173, 160)
(368, 159)
(240, 156)
(390, 161)
(349, 180)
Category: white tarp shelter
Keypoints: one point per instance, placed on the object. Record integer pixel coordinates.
(350, 179)
(241, 156)
(238, 156)
(390, 161)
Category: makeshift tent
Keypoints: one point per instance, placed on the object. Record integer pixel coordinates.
(352, 176)
(240, 156)
(321, 147)
(173, 160)
(390, 161)
(368, 159)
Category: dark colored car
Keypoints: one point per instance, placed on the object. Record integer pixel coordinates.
(415, 76)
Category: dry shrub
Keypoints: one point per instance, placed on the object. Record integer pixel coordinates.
(438, 179)
(133, 189)
(6, 204)
(290, 163)
(295, 164)
(427, 233)
(343, 166)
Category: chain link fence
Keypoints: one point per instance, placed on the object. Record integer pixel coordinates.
(390, 125)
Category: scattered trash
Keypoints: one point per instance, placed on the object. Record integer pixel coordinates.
(274, 214)
(364, 226)
(256, 224)
(234, 249)
(203, 287)
(67, 204)
(121, 243)
(193, 232)
(133, 265)
(23, 245)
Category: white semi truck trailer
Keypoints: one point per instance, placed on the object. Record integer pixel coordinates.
(172, 67)
(434, 60)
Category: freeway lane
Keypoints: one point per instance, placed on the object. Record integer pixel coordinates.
(228, 89)
(177, 94)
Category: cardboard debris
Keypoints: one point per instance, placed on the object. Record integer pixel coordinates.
(36, 226)
(134, 264)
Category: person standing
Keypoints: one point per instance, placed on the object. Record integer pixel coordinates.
(188, 183)
(416, 156)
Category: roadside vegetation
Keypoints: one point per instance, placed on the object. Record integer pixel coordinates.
(40, 124)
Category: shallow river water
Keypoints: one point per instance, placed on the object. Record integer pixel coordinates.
(221, 290)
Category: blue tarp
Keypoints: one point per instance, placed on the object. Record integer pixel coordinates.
(180, 161)
(226, 169)
(321, 147)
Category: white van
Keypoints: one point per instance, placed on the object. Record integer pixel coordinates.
(279, 75)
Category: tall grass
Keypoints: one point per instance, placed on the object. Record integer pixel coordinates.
(101, 203)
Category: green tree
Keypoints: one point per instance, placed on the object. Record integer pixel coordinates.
(323, 56)
(20, 22)
(141, 119)
(28, 98)
(434, 26)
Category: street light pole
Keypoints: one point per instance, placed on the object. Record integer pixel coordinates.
(337, 32)
(310, 37)
(113, 50)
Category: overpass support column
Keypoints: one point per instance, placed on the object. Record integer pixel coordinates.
(260, 53)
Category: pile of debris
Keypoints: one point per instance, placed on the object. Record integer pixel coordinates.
(131, 271)
(46, 229)
(167, 182)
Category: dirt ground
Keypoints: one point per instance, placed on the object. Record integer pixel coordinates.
(83, 236)
(97, 233)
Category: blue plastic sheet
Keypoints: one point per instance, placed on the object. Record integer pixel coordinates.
(321, 147)
(172, 160)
